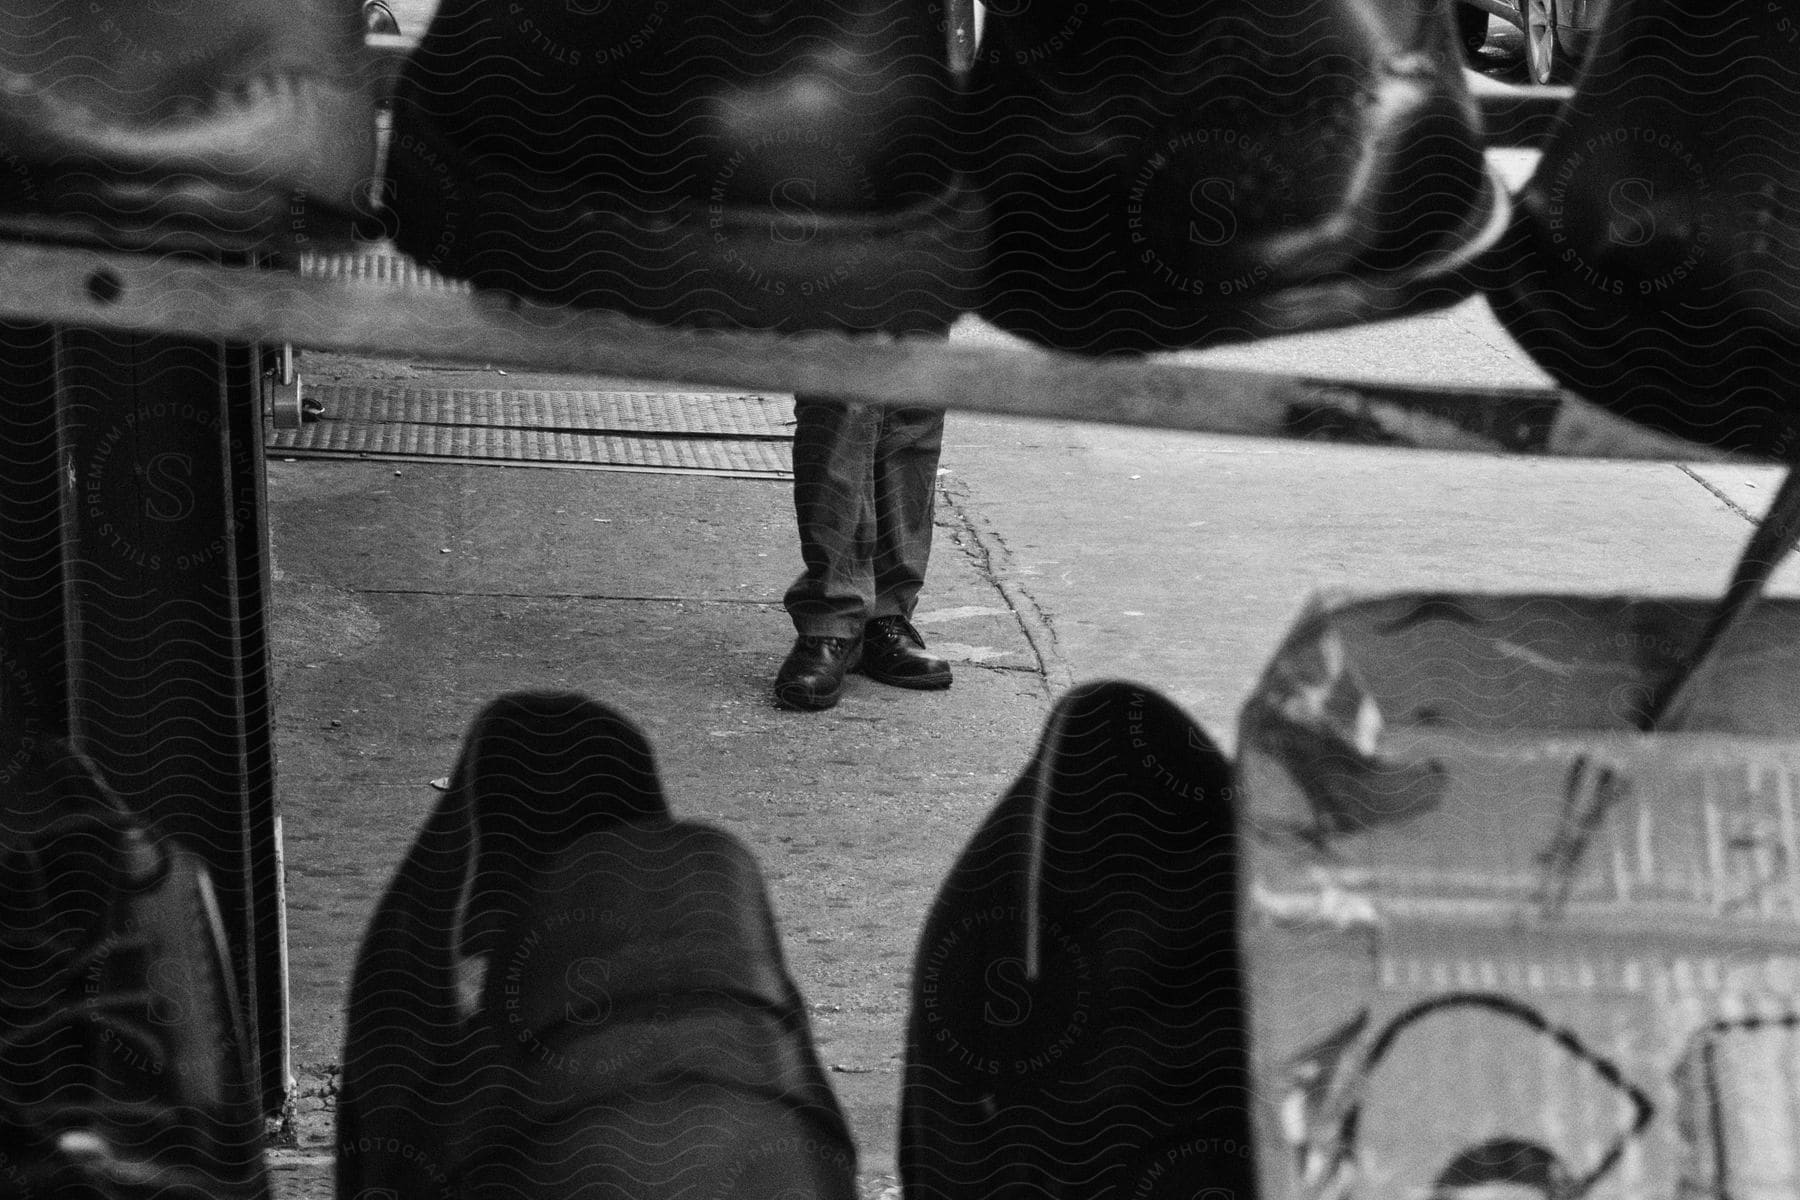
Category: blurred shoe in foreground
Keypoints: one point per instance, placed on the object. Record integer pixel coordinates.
(724, 163)
(567, 990)
(1164, 174)
(122, 1064)
(1654, 266)
(245, 120)
(1078, 1020)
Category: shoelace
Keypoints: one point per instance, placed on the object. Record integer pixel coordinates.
(893, 629)
(112, 1016)
(70, 1126)
(67, 1125)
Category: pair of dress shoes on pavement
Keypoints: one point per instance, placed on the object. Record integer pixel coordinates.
(889, 650)
(568, 990)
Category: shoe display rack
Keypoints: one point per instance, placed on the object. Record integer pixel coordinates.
(129, 292)
(133, 541)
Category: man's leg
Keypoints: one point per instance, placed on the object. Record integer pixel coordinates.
(907, 446)
(834, 468)
(904, 495)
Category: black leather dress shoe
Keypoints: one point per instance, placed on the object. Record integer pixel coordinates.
(123, 1069)
(893, 653)
(567, 990)
(536, 773)
(1077, 1024)
(249, 120)
(727, 163)
(812, 675)
(1165, 174)
(641, 1035)
(1654, 266)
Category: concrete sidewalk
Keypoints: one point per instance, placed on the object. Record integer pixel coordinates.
(407, 595)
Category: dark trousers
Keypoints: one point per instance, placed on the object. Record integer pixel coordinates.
(865, 482)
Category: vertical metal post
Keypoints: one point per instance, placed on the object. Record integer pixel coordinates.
(133, 605)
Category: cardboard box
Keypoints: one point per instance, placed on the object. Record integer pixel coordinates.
(1492, 932)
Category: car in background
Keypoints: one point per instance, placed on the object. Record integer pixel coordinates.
(378, 17)
(1556, 31)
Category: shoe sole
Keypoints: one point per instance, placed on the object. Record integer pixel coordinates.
(186, 186)
(693, 263)
(911, 271)
(1439, 281)
(798, 699)
(1609, 348)
(917, 683)
(1027, 298)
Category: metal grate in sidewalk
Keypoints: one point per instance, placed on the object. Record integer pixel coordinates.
(694, 432)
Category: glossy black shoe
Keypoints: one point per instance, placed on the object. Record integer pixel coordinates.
(643, 1035)
(727, 163)
(536, 773)
(123, 1073)
(563, 983)
(1077, 1024)
(893, 653)
(812, 675)
(1165, 174)
(1654, 266)
(244, 121)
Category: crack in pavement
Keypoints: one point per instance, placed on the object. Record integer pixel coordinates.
(990, 555)
(1718, 494)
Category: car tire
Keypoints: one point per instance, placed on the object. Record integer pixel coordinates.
(1541, 58)
(1471, 30)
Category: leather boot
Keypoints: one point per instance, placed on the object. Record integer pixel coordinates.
(728, 163)
(1077, 1024)
(1654, 263)
(123, 1062)
(1166, 174)
(563, 982)
(183, 121)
